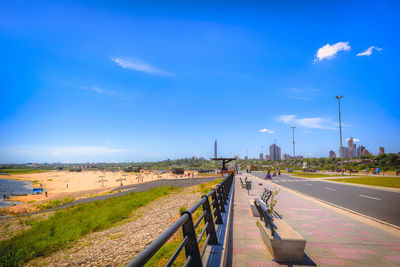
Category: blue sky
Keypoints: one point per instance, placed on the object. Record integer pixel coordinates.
(118, 81)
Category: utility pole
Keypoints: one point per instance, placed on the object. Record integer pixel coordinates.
(293, 141)
(340, 129)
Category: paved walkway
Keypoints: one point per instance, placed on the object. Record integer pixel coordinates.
(333, 239)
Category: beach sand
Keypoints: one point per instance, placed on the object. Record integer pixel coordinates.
(66, 184)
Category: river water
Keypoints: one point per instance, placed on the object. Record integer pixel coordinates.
(8, 187)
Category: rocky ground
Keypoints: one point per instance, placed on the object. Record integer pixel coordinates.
(118, 245)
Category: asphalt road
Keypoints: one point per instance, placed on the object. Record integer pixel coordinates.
(380, 204)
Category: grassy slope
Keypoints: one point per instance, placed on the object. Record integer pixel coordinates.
(21, 171)
(70, 224)
(392, 182)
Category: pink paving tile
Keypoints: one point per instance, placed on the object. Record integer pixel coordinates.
(239, 251)
(393, 247)
(256, 246)
(365, 251)
(389, 243)
(392, 258)
(330, 261)
(361, 238)
(261, 263)
(346, 253)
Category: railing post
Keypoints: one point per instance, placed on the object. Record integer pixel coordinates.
(216, 207)
(191, 247)
(211, 227)
(220, 195)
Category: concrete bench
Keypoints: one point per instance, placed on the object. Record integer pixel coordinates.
(253, 208)
(282, 241)
(287, 245)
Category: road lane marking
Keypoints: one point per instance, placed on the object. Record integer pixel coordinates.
(308, 184)
(369, 197)
(327, 188)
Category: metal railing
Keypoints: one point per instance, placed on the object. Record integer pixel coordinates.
(190, 243)
(265, 215)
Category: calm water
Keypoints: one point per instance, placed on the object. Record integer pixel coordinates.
(11, 186)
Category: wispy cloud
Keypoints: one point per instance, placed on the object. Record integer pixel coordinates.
(139, 66)
(314, 123)
(329, 51)
(354, 139)
(101, 91)
(368, 51)
(266, 131)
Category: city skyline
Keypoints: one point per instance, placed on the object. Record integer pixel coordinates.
(115, 82)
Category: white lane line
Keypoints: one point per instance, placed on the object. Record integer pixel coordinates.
(327, 188)
(369, 197)
(308, 184)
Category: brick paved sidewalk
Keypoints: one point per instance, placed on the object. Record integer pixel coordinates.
(333, 239)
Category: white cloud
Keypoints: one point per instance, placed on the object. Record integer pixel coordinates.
(109, 92)
(266, 131)
(99, 90)
(314, 123)
(139, 66)
(354, 139)
(368, 51)
(329, 51)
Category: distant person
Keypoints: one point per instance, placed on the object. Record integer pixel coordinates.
(279, 172)
(269, 175)
(45, 193)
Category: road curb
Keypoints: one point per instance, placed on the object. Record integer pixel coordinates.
(382, 225)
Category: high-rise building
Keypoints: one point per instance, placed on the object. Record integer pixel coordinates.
(261, 156)
(267, 157)
(215, 149)
(381, 150)
(275, 152)
(286, 156)
(332, 154)
(352, 148)
(344, 152)
(360, 150)
(366, 152)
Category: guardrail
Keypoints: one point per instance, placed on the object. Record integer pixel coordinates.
(190, 243)
(265, 215)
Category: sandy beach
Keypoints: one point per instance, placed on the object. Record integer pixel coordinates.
(66, 184)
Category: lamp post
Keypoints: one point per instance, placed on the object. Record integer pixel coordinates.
(293, 141)
(294, 155)
(340, 129)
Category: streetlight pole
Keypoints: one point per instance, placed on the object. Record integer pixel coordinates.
(293, 141)
(340, 129)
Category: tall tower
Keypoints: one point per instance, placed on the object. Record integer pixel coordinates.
(215, 149)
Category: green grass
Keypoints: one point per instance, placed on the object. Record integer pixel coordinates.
(52, 234)
(54, 203)
(392, 182)
(21, 171)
